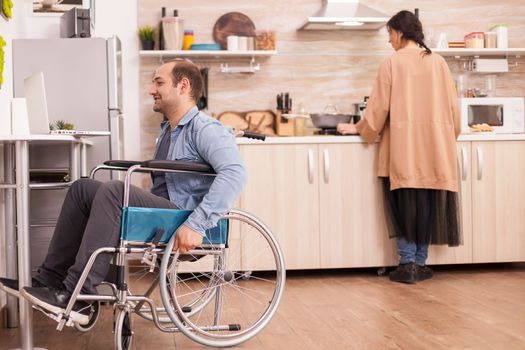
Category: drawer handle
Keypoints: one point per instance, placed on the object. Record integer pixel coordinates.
(465, 163)
(326, 158)
(310, 166)
(479, 151)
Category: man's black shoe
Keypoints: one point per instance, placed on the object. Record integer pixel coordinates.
(424, 273)
(11, 286)
(55, 300)
(405, 273)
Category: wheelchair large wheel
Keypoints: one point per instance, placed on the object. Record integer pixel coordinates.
(93, 317)
(123, 330)
(232, 308)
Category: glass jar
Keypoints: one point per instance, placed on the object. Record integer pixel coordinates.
(189, 39)
(490, 40)
(300, 125)
(264, 40)
(474, 40)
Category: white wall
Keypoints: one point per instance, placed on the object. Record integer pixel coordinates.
(22, 25)
(119, 17)
(115, 17)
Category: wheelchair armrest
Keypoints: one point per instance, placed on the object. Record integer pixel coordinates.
(122, 163)
(179, 165)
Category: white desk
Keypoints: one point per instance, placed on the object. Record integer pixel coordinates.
(16, 156)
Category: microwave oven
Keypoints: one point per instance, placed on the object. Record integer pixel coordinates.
(504, 114)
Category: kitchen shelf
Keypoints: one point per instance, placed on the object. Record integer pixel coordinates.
(458, 52)
(207, 54)
(252, 68)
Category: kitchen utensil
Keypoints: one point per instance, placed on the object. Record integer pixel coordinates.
(263, 120)
(232, 43)
(232, 23)
(202, 102)
(208, 47)
(329, 118)
(173, 31)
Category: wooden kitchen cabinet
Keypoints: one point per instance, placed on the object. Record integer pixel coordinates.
(443, 254)
(352, 223)
(324, 203)
(498, 201)
(283, 192)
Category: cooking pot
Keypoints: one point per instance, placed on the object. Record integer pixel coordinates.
(329, 120)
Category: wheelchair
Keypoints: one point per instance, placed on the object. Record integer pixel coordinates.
(220, 294)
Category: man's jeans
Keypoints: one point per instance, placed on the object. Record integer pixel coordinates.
(89, 219)
(411, 252)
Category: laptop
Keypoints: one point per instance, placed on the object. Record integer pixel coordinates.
(35, 93)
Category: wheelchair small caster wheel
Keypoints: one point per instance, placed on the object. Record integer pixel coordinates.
(381, 271)
(246, 276)
(123, 331)
(93, 316)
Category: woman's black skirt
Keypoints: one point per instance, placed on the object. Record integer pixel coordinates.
(424, 216)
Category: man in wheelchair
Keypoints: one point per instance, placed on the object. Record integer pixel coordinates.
(90, 217)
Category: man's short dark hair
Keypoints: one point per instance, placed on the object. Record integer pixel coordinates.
(184, 69)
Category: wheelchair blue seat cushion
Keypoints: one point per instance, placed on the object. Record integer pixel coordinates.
(142, 224)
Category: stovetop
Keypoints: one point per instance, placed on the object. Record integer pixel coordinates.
(328, 131)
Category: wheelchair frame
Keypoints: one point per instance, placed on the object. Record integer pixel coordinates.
(125, 303)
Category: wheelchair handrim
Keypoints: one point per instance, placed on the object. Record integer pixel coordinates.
(237, 338)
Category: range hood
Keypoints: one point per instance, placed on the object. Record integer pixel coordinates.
(345, 15)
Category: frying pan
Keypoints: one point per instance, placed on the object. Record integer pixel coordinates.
(328, 120)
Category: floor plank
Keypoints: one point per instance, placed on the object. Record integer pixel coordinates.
(462, 307)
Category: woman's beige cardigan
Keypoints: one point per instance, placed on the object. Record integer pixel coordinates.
(414, 107)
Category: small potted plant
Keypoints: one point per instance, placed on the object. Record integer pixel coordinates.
(146, 37)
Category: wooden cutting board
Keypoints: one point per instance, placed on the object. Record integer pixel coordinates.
(261, 121)
(233, 119)
(232, 23)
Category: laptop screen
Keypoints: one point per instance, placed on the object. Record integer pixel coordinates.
(35, 93)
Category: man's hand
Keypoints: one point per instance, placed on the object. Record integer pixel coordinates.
(186, 239)
(346, 128)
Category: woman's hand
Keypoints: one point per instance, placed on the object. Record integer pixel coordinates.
(347, 129)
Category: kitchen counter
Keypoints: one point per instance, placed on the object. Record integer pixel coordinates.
(275, 140)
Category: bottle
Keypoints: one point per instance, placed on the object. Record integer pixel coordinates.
(161, 34)
(188, 39)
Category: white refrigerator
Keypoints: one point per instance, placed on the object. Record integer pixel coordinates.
(84, 87)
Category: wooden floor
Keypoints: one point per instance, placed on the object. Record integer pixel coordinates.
(463, 307)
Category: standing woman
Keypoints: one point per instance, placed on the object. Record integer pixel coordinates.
(413, 106)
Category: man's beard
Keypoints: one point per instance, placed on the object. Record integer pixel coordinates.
(157, 107)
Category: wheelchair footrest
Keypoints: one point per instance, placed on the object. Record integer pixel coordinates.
(54, 316)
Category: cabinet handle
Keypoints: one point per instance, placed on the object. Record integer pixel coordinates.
(465, 163)
(479, 151)
(310, 166)
(326, 158)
